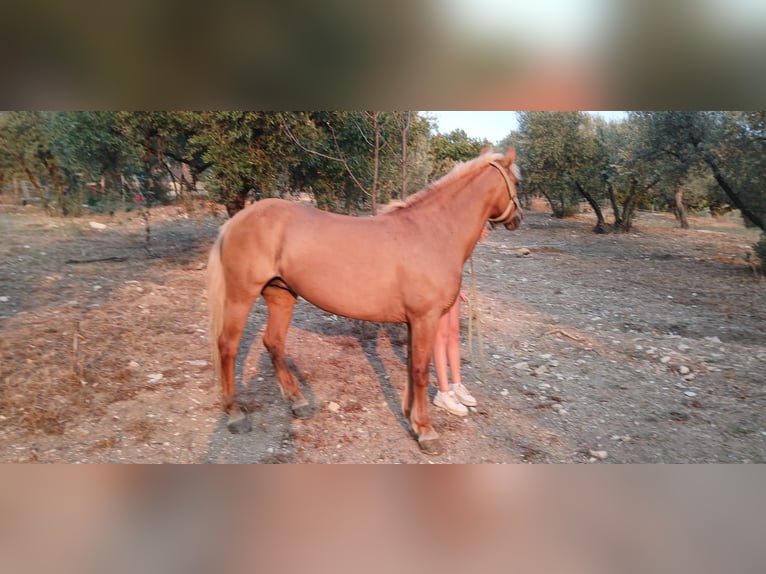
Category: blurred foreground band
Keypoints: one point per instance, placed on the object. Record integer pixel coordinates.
(243, 519)
(339, 54)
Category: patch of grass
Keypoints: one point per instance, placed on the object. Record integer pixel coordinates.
(741, 428)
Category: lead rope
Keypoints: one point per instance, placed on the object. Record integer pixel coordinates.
(474, 312)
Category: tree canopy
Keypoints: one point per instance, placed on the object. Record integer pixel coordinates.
(351, 161)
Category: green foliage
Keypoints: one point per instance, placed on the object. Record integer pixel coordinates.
(352, 161)
(164, 139)
(452, 148)
(28, 152)
(738, 160)
(244, 152)
(92, 147)
(561, 158)
(731, 146)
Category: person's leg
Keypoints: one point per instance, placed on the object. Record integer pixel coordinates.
(440, 354)
(453, 356)
(452, 320)
(445, 398)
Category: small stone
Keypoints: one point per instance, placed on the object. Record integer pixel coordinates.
(96, 225)
(665, 360)
(523, 252)
(598, 454)
(690, 393)
(683, 348)
(504, 392)
(563, 412)
(713, 339)
(543, 386)
(4, 299)
(154, 378)
(133, 365)
(521, 366)
(333, 407)
(541, 370)
(684, 370)
(199, 363)
(690, 377)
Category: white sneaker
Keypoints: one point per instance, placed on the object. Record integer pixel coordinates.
(449, 402)
(463, 395)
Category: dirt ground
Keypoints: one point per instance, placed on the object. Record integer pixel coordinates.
(644, 347)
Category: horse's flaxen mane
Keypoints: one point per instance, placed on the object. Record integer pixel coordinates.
(462, 169)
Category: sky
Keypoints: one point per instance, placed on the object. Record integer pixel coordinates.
(491, 125)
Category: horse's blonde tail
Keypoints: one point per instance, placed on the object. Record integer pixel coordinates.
(216, 300)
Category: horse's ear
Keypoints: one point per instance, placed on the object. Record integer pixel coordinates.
(510, 155)
(485, 149)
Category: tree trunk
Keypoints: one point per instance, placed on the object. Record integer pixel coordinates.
(628, 209)
(557, 212)
(235, 203)
(615, 205)
(630, 205)
(727, 189)
(405, 129)
(375, 161)
(680, 208)
(600, 223)
(36, 184)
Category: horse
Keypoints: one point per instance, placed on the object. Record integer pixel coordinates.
(404, 266)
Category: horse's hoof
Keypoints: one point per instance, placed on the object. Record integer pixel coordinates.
(239, 425)
(431, 446)
(302, 410)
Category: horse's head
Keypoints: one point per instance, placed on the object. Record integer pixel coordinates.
(512, 215)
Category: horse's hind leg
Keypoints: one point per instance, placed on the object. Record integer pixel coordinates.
(280, 303)
(228, 345)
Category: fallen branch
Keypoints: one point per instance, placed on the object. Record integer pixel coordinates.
(98, 260)
(565, 334)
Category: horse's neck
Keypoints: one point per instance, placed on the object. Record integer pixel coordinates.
(459, 214)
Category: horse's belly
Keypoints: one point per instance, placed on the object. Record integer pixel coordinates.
(352, 295)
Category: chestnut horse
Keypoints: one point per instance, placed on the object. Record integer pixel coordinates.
(404, 266)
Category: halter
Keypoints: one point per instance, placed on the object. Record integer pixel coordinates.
(511, 188)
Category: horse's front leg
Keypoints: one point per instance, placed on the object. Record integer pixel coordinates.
(421, 343)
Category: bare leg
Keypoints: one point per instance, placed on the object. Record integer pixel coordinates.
(440, 353)
(447, 348)
(281, 303)
(453, 342)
